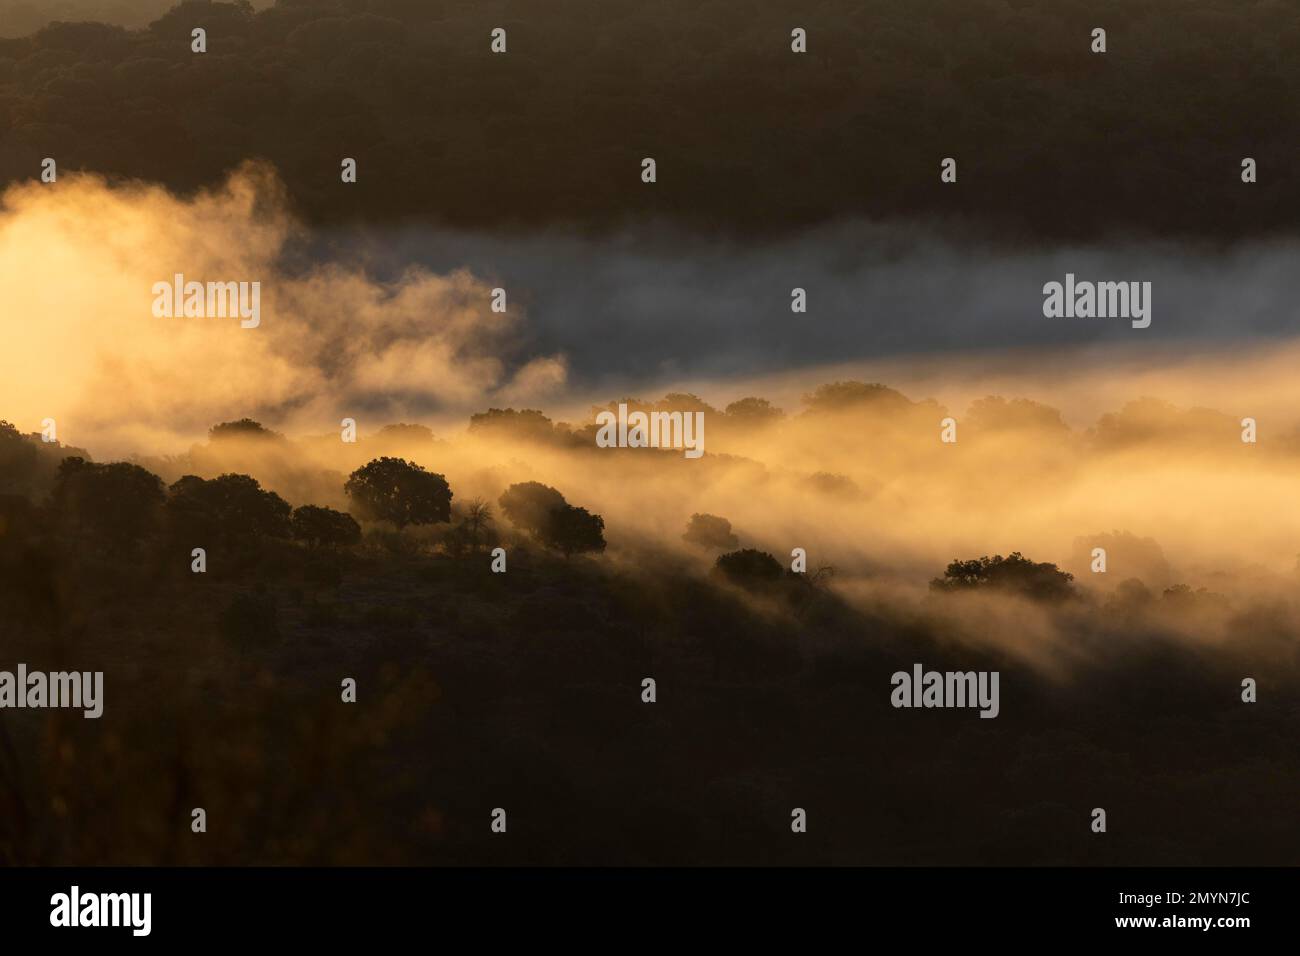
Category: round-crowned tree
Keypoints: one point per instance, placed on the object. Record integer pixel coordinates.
(118, 503)
(325, 527)
(749, 568)
(394, 489)
(244, 428)
(572, 530)
(529, 504)
(230, 506)
(710, 531)
(1015, 573)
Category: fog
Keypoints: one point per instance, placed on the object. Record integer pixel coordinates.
(1108, 436)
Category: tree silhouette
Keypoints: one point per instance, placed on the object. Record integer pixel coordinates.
(244, 428)
(393, 489)
(749, 568)
(117, 503)
(828, 483)
(473, 532)
(753, 411)
(1132, 594)
(710, 531)
(529, 504)
(18, 461)
(29, 465)
(523, 423)
(993, 413)
(572, 530)
(319, 526)
(839, 396)
(478, 521)
(1014, 573)
(228, 506)
(1183, 597)
(542, 511)
(684, 402)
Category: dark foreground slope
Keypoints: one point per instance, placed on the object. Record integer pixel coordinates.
(523, 691)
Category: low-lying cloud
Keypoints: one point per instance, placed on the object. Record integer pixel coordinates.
(1103, 436)
(78, 263)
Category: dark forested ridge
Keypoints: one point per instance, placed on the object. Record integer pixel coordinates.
(1051, 139)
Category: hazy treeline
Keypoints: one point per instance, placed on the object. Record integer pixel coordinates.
(1194, 522)
(1051, 139)
(523, 689)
